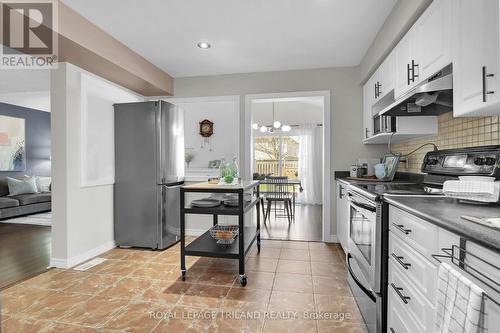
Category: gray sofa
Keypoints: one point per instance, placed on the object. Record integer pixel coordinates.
(23, 204)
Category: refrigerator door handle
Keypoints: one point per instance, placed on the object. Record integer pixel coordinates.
(169, 214)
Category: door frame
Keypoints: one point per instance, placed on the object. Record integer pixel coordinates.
(247, 159)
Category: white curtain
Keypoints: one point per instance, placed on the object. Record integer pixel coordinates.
(311, 163)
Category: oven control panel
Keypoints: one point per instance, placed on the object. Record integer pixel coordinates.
(484, 161)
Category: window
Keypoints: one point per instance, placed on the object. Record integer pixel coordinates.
(277, 155)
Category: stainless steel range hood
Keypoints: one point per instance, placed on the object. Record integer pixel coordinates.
(433, 96)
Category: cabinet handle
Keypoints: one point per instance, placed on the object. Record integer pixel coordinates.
(413, 75)
(366, 132)
(341, 195)
(408, 73)
(399, 259)
(401, 228)
(485, 92)
(398, 290)
(378, 88)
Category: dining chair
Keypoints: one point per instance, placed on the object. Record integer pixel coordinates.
(278, 191)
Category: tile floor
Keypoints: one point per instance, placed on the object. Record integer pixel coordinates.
(140, 291)
(307, 225)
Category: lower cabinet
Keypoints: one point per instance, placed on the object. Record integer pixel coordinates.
(413, 272)
(342, 215)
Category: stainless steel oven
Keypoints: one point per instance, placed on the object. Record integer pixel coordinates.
(383, 124)
(364, 258)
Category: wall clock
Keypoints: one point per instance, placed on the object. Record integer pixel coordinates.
(206, 128)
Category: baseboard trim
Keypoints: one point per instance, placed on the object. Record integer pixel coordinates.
(331, 239)
(76, 260)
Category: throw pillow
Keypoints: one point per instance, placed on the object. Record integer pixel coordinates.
(26, 186)
(43, 183)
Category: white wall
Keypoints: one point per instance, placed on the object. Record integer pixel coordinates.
(223, 142)
(82, 216)
(38, 100)
(346, 105)
(289, 112)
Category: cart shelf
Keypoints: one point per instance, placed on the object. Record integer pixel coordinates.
(220, 209)
(206, 246)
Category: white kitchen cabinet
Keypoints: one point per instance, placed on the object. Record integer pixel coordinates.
(475, 47)
(433, 34)
(368, 99)
(342, 215)
(425, 49)
(406, 64)
(413, 271)
(382, 82)
(385, 76)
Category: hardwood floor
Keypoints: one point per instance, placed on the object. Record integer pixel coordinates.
(307, 225)
(24, 251)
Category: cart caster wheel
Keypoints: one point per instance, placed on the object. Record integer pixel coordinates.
(243, 281)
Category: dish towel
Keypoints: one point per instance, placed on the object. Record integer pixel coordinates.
(460, 305)
(472, 190)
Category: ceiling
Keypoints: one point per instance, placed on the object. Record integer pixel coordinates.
(246, 36)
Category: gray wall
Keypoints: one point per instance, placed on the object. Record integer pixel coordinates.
(346, 105)
(37, 140)
(399, 21)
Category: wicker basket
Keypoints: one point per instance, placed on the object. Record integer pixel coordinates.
(224, 234)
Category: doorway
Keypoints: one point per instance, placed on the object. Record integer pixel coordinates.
(287, 139)
(25, 174)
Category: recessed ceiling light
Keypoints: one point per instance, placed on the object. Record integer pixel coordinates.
(204, 45)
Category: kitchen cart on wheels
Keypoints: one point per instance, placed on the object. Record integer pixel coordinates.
(205, 245)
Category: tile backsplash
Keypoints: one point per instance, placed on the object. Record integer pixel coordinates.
(452, 133)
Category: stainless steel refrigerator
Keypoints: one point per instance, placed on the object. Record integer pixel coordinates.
(149, 171)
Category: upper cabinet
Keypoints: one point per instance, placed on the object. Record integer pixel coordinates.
(465, 33)
(433, 38)
(425, 49)
(475, 58)
(368, 99)
(384, 78)
(406, 64)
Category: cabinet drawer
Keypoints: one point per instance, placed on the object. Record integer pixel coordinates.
(420, 309)
(417, 233)
(399, 319)
(415, 267)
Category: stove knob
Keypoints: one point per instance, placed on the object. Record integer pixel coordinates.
(490, 161)
(479, 161)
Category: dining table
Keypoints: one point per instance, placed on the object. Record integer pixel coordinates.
(293, 183)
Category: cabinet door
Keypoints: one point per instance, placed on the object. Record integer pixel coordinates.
(433, 31)
(405, 58)
(368, 99)
(386, 75)
(475, 49)
(342, 215)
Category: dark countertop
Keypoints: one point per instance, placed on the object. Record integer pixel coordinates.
(446, 213)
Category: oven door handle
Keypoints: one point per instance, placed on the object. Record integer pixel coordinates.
(360, 285)
(361, 205)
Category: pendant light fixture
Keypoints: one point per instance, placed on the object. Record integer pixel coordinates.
(276, 125)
